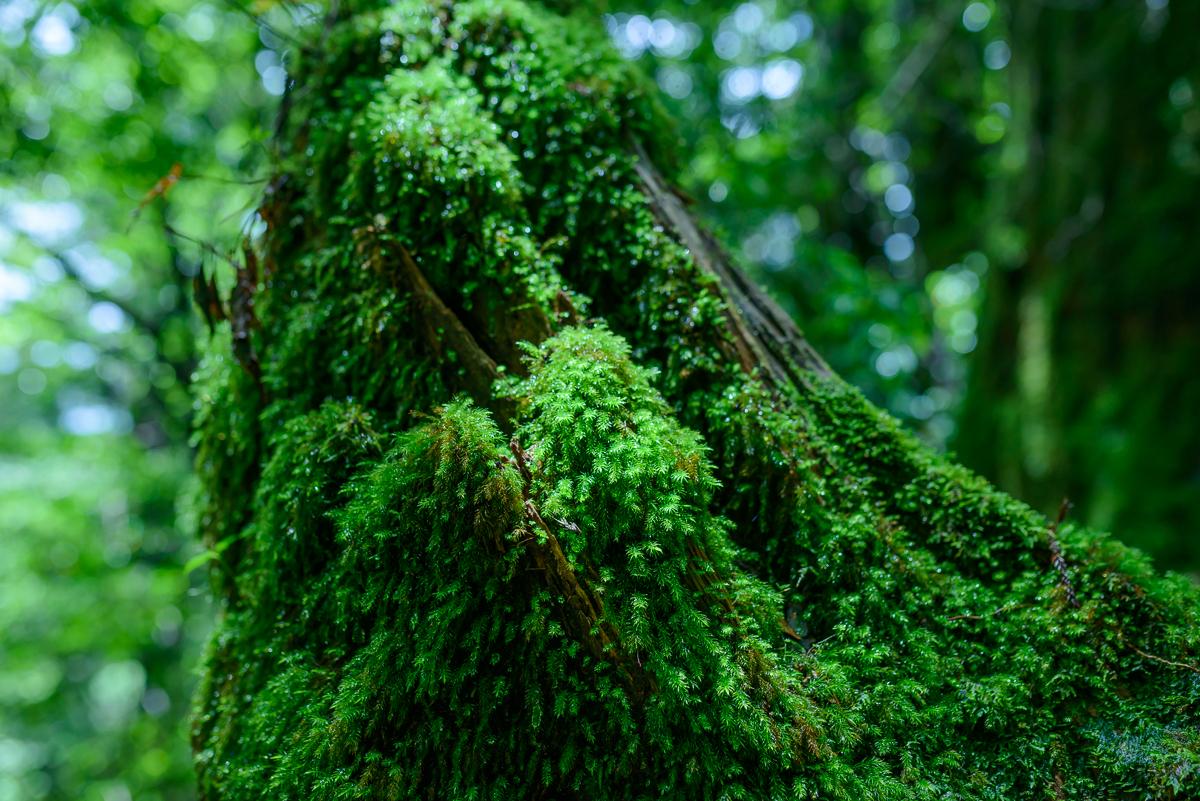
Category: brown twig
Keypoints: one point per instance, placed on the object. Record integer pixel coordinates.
(582, 607)
(1056, 554)
(1002, 609)
(242, 318)
(441, 328)
(1160, 660)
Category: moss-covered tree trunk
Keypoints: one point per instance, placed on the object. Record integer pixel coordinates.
(519, 490)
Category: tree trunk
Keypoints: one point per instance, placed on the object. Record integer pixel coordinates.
(517, 489)
(1084, 380)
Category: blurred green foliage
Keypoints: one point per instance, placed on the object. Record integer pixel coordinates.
(980, 211)
(101, 625)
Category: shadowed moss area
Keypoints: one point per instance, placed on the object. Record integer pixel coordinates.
(500, 513)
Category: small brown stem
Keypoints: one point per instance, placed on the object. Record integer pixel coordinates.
(441, 328)
(582, 607)
(1002, 609)
(1056, 554)
(1161, 661)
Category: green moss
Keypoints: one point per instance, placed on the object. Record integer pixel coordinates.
(630, 569)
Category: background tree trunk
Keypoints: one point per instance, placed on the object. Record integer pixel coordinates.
(1083, 383)
(516, 488)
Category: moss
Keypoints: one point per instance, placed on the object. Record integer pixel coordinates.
(630, 567)
(227, 443)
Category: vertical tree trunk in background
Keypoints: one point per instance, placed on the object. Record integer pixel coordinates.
(520, 490)
(1084, 381)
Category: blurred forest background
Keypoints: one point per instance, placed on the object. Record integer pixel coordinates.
(981, 212)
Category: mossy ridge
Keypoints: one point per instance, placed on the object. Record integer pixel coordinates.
(370, 658)
(947, 664)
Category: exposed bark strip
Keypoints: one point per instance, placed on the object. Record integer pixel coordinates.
(441, 328)
(242, 319)
(444, 329)
(1056, 555)
(762, 332)
(583, 609)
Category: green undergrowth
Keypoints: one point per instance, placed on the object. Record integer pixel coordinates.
(493, 514)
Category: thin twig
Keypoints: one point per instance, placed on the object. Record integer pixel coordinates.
(1056, 554)
(1160, 660)
(1007, 608)
(207, 247)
